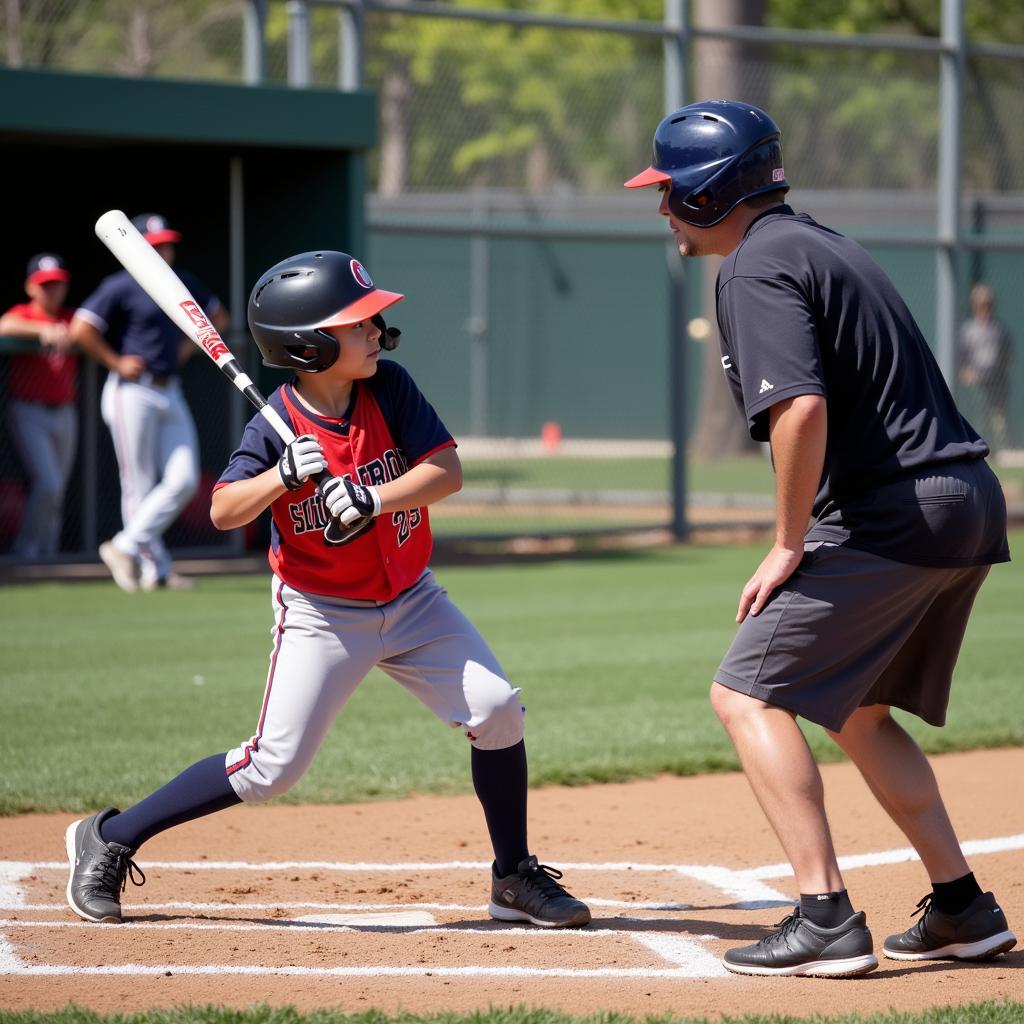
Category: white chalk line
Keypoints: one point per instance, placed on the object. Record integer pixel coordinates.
(11, 964)
(468, 908)
(971, 848)
(327, 927)
(692, 959)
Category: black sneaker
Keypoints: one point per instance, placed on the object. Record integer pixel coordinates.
(804, 950)
(533, 894)
(978, 933)
(99, 870)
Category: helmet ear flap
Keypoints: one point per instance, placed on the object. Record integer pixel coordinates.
(389, 336)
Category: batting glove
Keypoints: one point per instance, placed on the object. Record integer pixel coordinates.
(302, 459)
(348, 501)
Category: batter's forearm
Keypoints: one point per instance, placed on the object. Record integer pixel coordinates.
(799, 431)
(239, 503)
(430, 481)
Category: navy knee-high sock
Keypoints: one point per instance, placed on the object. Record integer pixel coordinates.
(200, 789)
(499, 778)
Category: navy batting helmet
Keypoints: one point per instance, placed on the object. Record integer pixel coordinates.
(296, 299)
(714, 155)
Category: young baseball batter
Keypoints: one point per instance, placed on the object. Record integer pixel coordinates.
(350, 543)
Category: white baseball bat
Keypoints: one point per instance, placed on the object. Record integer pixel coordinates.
(168, 291)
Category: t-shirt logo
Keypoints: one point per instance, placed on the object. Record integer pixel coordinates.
(765, 386)
(359, 272)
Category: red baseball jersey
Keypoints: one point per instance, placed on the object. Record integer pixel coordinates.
(49, 377)
(388, 427)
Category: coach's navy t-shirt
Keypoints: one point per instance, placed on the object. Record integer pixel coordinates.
(803, 310)
(134, 325)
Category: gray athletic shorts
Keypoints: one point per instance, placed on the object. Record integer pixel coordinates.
(850, 629)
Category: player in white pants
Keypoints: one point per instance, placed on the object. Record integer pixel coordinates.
(350, 545)
(123, 329)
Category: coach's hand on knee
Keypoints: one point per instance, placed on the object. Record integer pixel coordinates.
(302, 459)
(348, 501)
(779, 564)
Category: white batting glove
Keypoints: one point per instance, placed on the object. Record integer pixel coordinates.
(302, 459)
(348, 501)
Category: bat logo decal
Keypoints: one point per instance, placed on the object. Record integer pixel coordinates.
(206, 333)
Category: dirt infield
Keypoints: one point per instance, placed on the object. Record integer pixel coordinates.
(383, 905)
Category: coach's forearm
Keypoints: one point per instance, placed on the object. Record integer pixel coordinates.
(433, 479)
(239, 503)
(798, 430)
(93, 344)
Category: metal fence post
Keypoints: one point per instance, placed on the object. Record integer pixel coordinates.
(676, 45)
(299, 70)
(90, 434)
(478, 324)
(351, 26)
(254, 42)
(677, 30)
(238, 306)
(947, 269)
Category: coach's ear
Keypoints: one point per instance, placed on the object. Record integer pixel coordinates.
(389, 336)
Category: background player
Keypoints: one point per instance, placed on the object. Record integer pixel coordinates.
(350, 590)
(42, 415)
(867, 609)
(154, 436)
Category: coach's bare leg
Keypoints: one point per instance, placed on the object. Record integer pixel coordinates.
(902, 780)
(786, 781)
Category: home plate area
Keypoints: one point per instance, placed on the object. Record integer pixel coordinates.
(398, 920)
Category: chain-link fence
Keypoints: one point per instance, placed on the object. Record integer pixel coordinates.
(545, 317)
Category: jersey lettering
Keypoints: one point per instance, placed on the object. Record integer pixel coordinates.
(311, 513)
(308, 514)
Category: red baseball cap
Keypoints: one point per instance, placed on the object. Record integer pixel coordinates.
(46, 266)
(155, 229)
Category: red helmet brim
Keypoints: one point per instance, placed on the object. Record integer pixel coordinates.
(362, 309)
(649, 177)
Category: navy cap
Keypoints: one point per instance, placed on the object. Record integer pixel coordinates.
(45, 267)
(155, 229)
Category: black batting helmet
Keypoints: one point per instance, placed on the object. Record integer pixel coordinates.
(296, 299)
(713, 155)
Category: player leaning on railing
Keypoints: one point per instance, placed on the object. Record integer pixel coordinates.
(350, 589)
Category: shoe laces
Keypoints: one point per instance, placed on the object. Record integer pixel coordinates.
(924, 906)
(116, 867)
(784, 929)
(545, 878)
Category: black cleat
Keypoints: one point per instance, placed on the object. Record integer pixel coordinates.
(801, 949)
(533, 894)
(98, 870)
(978, 933)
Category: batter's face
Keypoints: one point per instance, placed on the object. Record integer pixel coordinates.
(691, 240)
(359, 346)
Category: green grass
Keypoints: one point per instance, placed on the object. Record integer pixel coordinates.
(105, 695)
(978, 1013)
(750, 475)
(745, 475)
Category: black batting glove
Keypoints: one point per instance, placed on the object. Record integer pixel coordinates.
(300, 460)
(348, 501)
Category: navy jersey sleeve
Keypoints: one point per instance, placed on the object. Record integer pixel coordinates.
(200, 292)
(259, 449)
(415, 426)
(104, 308)
(768, 328)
